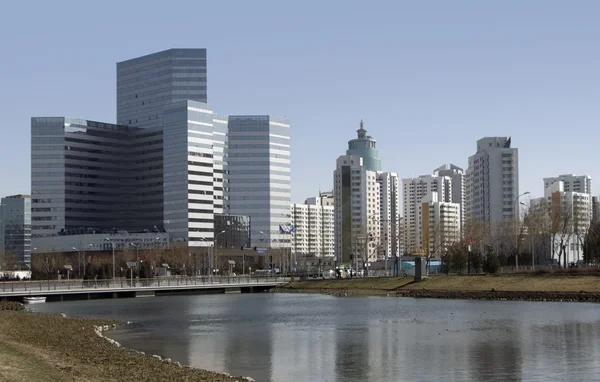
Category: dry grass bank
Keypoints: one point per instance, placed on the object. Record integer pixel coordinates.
(378, 284)
(519, 282)
(42, 347)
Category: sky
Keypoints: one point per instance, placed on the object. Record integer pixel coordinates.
(428, 78)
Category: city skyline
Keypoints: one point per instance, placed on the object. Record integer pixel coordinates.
(442, 86)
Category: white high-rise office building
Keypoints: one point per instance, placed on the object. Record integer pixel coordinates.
(357, 210)
(492, 182)
(437, 224)
(389, 214)
(193, 177)
(314, 232)
(259, 176)
(414, 190)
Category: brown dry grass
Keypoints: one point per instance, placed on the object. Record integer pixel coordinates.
(521, 283)
(382, 284)
(42, 347)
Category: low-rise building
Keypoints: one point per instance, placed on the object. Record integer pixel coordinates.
(15, 230)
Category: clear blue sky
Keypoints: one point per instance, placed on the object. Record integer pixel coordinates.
(429, 78)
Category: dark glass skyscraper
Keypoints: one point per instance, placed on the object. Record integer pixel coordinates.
(145, 85)
(15, 229)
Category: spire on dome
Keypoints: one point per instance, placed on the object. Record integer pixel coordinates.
(362, 133)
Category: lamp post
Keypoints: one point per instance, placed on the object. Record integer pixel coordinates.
(137, 257)
(78, 259)
(215, 246)
(532, 240)
(517, 219)
(113, 257)
(269, 246)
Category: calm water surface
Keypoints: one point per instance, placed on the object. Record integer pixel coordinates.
(295, 337)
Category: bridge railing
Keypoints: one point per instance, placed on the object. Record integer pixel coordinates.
(128, 283)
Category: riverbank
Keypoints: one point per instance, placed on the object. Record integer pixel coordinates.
(505, 287)
(44, 347)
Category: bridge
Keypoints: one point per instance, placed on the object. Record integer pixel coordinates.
(63, 290)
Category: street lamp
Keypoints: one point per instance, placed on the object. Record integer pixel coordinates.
(517, 218)
(137, 256)
(78, 259)
(532, 239)
(113, 256)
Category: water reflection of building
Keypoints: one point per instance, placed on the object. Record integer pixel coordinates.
(352, 344)
(496, 358)
(247, 348)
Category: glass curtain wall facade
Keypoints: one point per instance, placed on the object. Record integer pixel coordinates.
(259, 176)
(90, 175)
(237, 231)
(15, 230)
(147, 84)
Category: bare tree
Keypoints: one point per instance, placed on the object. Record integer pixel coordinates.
(46, 264)
(561, 223)
(538, 223)
(474, 232)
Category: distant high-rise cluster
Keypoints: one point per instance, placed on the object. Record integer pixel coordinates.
(170, 165)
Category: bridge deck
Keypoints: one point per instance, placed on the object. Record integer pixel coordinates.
(49, 288)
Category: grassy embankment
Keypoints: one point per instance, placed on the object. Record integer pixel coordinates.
(42, 347)
(519, 287)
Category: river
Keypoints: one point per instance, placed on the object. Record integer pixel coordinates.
(301, 337)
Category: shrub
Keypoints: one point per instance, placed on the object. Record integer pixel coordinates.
(491, 264)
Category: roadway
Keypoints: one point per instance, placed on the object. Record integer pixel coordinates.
(14, 289)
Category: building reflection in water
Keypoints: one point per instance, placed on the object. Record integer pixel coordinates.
(352, 343)
(283, 337)
(248, 347)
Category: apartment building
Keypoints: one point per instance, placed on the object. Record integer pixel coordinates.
(389, 215)
(438, 225)
(455, 192)
(572, 183)
(414, 191)
(357, 210)
(314, 229)
(570, 216)
(492, 181)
